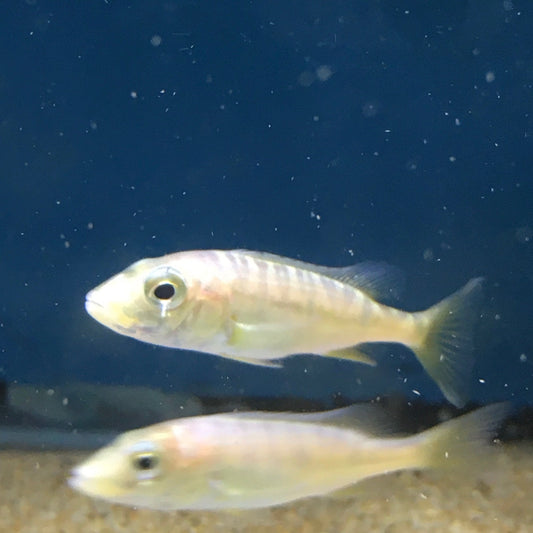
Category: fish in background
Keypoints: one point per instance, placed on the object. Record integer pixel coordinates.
(258, 308)
(258, 459)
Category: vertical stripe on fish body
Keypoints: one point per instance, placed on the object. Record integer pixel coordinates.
(306, 310)
(257, 307)
(250, 460)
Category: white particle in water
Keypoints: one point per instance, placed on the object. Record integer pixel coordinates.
(324, 72)
(156, 40)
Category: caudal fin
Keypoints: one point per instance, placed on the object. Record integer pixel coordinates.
(446, 350)
(464, 440)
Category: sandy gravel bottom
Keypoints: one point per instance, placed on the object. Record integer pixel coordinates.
(34, 498)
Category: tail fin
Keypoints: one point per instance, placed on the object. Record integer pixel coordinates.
(461, 441)
(446, 351)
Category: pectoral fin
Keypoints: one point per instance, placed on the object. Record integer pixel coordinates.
(250, 337)
(244, 334)
(223, 488)
(258, 335)
(352, 354)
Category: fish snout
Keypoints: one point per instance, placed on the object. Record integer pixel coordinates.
(92, 305)
(74, 481)
(78, 479)
(91, 480)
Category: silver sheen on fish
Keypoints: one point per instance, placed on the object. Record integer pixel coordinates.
(259, 308)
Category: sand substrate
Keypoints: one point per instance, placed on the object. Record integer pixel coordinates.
(34, 498)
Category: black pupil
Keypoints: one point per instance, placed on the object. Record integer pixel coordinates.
(165, 291)
(146, 462)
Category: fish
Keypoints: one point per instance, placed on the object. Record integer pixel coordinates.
(258, 308)
(237, 461)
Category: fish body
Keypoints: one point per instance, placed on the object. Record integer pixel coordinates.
(251, 460)
(259, 308)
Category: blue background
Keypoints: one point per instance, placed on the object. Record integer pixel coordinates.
(333, 131)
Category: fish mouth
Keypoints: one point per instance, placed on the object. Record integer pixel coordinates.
(119, 322)
(98, 311)
(101, 314)
(75, 482)
(87, 486)
(92, 306)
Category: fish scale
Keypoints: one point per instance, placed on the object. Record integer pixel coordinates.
(259, 308)
(256, 459)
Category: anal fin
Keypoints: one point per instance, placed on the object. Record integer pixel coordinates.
(352, 354)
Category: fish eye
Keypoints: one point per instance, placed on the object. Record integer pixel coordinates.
(165, 287)
(145, 461)
(164, 291)
(146, 465)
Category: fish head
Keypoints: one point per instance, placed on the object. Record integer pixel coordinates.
(148, 301)
(139, 468)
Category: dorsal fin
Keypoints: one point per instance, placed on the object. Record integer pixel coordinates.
(367, 418)
(377, 279)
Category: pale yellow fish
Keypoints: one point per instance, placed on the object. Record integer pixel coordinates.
(250, 460)
(256, 307)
